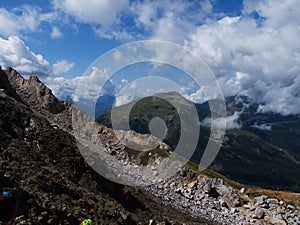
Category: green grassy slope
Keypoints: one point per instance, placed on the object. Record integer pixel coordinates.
(265, 158)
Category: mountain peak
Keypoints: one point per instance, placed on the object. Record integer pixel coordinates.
(31, 92)
(34, 79)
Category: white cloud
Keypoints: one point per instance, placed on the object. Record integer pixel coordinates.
(80, 87)
(56, 33)
(103, 12)
(258, 57)
(25, 18)
(268, 52)
(147, 13)
(127, 20)
(117, 55)
(103, 15)
(262, 126)
(60, 86)
(232, 122)
(170, 20)
(62, 66)
(15, 53)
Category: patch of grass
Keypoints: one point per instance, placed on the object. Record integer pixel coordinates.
(213, 174)
(159, 153)
(288, 197)
(143, 157)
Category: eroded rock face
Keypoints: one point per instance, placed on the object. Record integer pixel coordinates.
(34, 92)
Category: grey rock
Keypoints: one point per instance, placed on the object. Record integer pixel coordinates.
(290, 207)
(261, 199)
(275, 221)
(259, 213)
(273, 201)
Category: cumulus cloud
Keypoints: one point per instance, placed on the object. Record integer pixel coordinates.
(80, 87)
(265, 51)
(254, 53)
(102, 15)
(62, 66)
(104, 12)
(126, 20)
(61, 87)
(170, 20)
(232, 122)
(15, 53)
(25, 18)
(257, 56)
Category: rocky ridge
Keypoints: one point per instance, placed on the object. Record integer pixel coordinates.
(197, 194)
(187, 190)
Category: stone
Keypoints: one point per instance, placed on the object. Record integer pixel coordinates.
(173, 184)
(207, 188)
(261, 199)
(222, 202)
(281, 202)
(259, 213)
(192, 184)
(242, 191)
(290, 207)
(273, 201)
(233, 210)
(274, 221)
(231, 198)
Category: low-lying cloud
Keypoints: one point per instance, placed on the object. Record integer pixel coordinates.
(232, 122)
(262, 126)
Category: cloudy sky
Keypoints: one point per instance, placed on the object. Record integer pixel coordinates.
(252, 46)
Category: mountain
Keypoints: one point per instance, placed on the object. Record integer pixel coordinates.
(48, 169)
(41, 164)
(263, 151)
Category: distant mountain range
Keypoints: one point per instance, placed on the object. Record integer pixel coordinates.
(262, 150)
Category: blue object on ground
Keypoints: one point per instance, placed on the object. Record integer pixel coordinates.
(5, 193)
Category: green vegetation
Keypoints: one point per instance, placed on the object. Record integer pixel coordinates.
(264, 158)
(145, 158)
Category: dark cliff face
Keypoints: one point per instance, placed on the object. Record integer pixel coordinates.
(42, 163)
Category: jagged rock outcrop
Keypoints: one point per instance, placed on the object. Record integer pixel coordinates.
(33, 92)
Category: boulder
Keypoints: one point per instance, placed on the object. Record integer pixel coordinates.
(273, 201)
(261, 199)
(275, 221)
(259, 213)
(192, 184)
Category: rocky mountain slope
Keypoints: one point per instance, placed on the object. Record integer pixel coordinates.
(54, 184)
(262, 151)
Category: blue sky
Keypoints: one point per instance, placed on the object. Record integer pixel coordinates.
(77, 42)
(251, 46)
